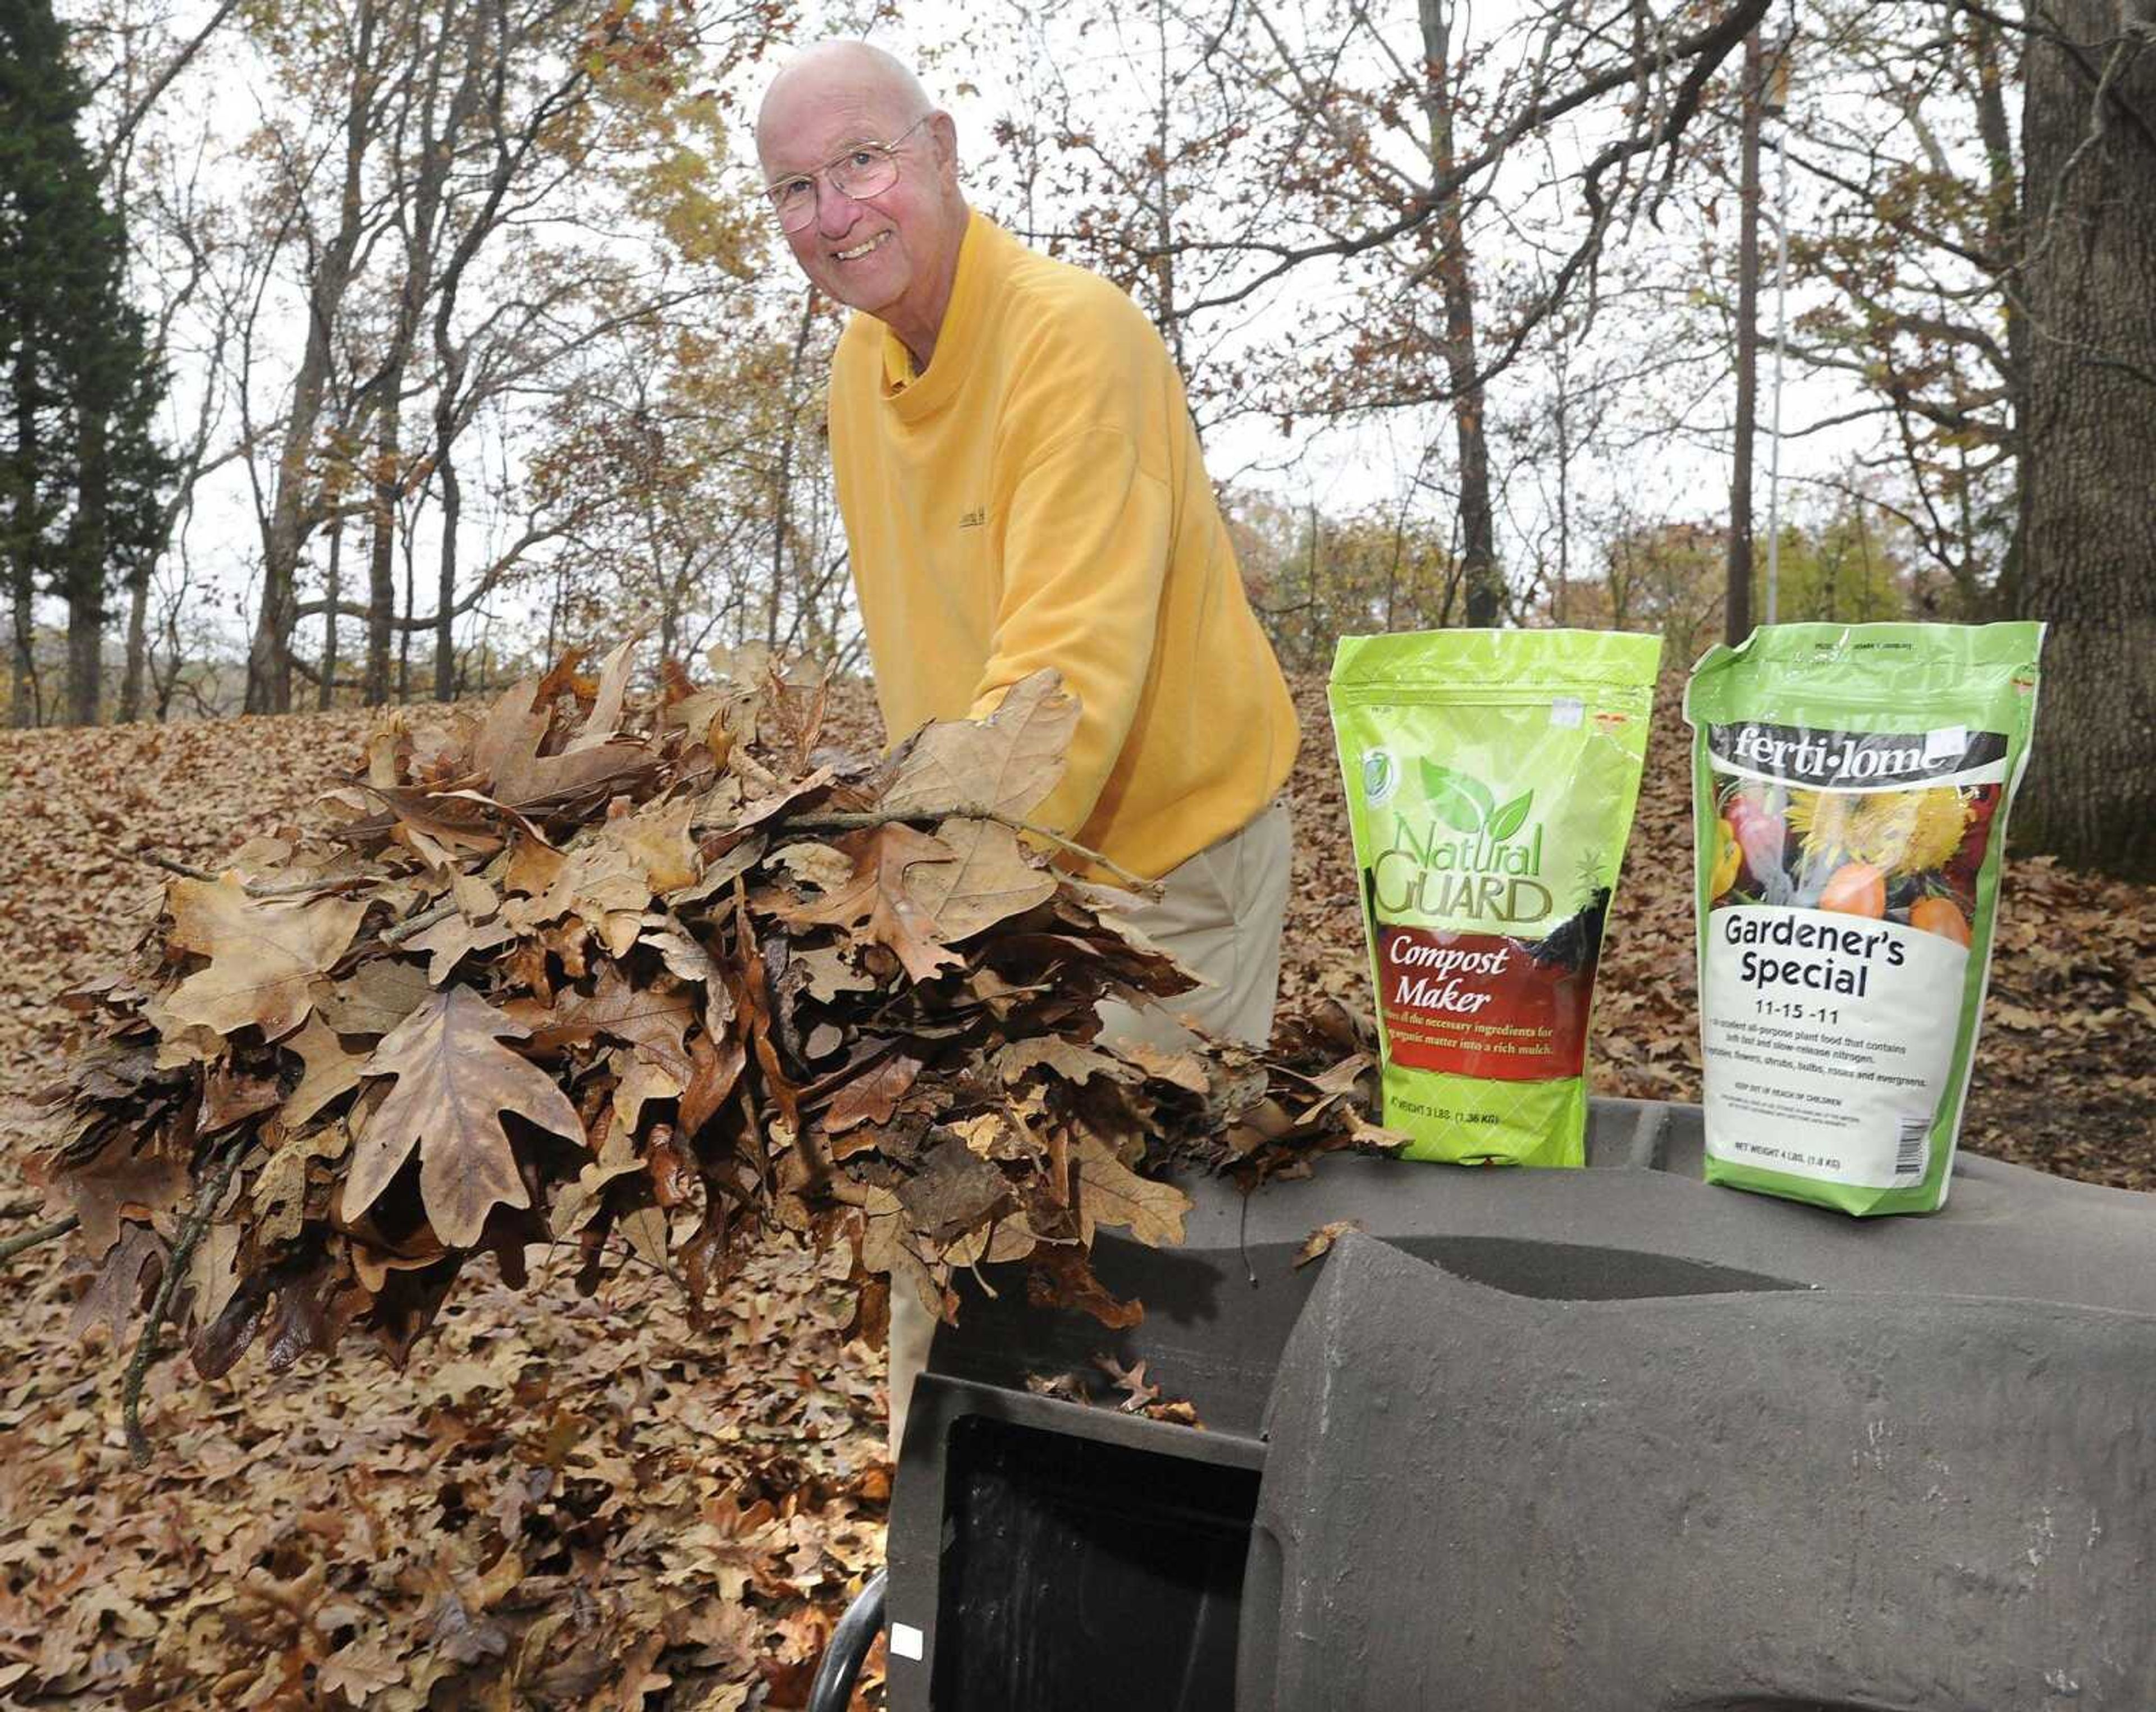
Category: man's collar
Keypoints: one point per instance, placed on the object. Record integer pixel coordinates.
(928, 388)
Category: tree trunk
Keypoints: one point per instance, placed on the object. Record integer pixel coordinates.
(2003, 239)
(2090, 497)
(446, 593)
(326, 691)
(1478, 534)
(1738, 599)
(138, 640)
(1562, 401)
(382, 552)
(87, 540)
(782, 503)
(295, 502)
(23, 695)
(25, 527)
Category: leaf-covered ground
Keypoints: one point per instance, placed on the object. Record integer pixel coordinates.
(701, 1507)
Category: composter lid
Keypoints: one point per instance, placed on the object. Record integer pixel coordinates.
(1828, 1499)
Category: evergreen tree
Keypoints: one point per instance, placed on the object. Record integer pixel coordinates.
(81, 472)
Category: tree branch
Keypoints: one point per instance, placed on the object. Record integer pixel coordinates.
(158, 85)
(23, 1240)
(176, 1265)
(1708, 46)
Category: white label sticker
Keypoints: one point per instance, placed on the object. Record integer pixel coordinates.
(906, 1641)
(1829, 1039)
(1567, 711)
(1948, 743)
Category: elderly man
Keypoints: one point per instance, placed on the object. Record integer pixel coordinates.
(1022, 487)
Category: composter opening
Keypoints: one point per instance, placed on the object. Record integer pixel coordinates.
(1078, 1575)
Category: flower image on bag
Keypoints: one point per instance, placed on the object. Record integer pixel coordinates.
(1491, 778)
(1850, 787)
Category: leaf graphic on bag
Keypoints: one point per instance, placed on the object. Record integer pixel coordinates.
(1512, 816)
(1460, 800)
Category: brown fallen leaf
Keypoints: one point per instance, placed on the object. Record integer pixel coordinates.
(263, 954)
(332, 1071)
(1320, 1241)
(880, 902)
(872, 1096)
(1111, 1193)
(1131, 1381)
(989, 879)
(506, 752)
(374, 998)
(1007, 763)
(455, 1080)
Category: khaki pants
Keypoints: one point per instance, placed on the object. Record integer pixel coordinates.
(1220, 913)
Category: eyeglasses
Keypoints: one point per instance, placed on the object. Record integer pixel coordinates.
(864, 170)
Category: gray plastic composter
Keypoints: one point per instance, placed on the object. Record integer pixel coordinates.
(1603, 1441)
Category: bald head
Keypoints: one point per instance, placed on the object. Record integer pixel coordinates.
(884, 239)
(854, 73)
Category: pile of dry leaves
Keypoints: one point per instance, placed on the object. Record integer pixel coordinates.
(652, 982)
(590, 1502)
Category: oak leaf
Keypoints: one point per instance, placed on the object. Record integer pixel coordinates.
(827, 972)
(279, 1193)
(1072, 1060)
(955, 1191)
(332, 1071)
(455, 1080)
(989, 880)
(374, 998)
(1111, 1193)
(879, 901)
(575, 1203)
(453, 939)
(443, 828)
(117, 1291)
(1320, 1241)
(872, 1096)
(885, 1248)
(652, 1019)
(263, 954)
(506, 752)
(119, 1178)
(603, 721)
(360, 1668)
(1006, 763)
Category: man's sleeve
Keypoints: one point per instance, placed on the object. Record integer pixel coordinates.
(1085, 553)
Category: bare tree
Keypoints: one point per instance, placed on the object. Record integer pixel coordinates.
(437, 231)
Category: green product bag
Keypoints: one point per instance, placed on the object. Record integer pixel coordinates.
(1850, 789)
(1491, 777)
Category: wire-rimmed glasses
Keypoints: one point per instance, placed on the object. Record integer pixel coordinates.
(863, 170)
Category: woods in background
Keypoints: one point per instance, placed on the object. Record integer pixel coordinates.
(365, 350)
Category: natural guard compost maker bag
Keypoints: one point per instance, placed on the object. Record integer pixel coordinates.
(1850, 785)
(1491, 777)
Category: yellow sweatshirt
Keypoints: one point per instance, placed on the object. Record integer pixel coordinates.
(1036, 497)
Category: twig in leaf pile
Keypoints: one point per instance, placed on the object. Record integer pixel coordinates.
(23, 1240)
(753, 1132)
(282, 889)
(176, 1266)
(869, 818)
(418, 924)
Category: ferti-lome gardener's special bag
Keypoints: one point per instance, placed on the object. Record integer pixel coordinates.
(1491, 777)
(1850, 786)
